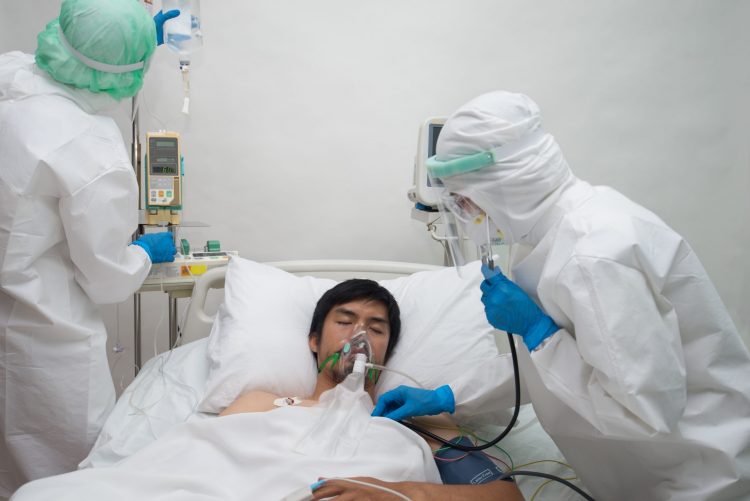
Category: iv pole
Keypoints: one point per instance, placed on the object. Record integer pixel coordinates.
(135, 155)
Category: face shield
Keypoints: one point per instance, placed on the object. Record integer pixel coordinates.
(465, 220)
(465, 223)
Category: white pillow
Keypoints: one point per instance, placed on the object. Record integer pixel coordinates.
(259, 338)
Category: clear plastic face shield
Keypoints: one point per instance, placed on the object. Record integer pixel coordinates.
(464, 219)
(465, 223)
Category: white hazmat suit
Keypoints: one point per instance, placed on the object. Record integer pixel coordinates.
(68, 206)
(646, 386)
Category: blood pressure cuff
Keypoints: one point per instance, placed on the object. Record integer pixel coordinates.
(461, 467)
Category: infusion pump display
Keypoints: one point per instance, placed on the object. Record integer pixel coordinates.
(163, 171)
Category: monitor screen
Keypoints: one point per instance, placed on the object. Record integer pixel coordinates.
(434, 133)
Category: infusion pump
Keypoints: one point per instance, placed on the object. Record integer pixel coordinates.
(424, 192)
(163, 178)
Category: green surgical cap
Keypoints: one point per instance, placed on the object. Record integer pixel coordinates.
(113, 32)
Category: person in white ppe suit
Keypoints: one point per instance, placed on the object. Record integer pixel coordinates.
(68, 208)
(629, 357)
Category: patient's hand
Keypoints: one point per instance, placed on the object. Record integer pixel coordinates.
(343, 490)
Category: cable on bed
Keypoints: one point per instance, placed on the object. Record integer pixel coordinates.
(502, 435)
(550, 477)
(507, 429)
(165, 377)
(403, 374)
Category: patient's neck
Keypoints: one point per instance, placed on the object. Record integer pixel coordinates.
(325, 382)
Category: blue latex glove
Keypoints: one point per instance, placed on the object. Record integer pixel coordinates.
(159, 246)
(405, 402)
(160, 19)
(510, 309)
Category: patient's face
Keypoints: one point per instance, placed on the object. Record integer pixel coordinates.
(342, 323)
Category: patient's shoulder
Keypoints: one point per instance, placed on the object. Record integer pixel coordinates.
(261, 401)
(252, 401)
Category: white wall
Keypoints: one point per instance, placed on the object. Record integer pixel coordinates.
(305, 115)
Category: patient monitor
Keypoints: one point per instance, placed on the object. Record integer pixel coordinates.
(424, 193)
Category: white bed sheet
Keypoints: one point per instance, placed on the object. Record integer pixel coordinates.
(165, 393)
(250, 456)
(169, 387)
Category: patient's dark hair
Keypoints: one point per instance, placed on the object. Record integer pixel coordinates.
(357, 289)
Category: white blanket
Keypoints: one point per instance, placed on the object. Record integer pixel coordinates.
(241, 457)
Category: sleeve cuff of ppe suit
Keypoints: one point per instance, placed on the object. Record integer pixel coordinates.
(540, 332)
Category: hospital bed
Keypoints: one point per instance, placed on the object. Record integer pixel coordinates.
(171, 388)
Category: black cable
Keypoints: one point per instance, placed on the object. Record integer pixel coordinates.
(469, 448)
(578, 490)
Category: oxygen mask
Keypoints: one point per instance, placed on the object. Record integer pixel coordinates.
(343, 362)
(357, 344)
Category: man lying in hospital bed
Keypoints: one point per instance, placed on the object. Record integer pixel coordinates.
(256, 454)
(360, 318)
(441, 342)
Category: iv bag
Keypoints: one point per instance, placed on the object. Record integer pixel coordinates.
(182, 34)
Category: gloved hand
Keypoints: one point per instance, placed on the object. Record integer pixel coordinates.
(159, 246)
(405, 402)
(510, 309)
(160, 19)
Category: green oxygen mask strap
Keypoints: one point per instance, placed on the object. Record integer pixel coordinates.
(373, 375)
(334, 358)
